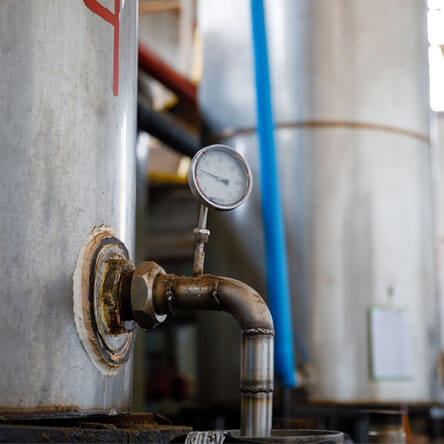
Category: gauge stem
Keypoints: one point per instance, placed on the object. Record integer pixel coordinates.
(203, 214)
(200, 238)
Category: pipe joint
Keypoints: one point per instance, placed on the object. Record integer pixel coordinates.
(142, 298)
(154, 295)
(207, 292)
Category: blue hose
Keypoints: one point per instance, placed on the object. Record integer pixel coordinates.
(274, 230)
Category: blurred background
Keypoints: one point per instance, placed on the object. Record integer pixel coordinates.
(357, 94)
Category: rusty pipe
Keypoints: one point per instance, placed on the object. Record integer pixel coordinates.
(172, 293)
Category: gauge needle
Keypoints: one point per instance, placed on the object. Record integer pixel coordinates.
(219, 179)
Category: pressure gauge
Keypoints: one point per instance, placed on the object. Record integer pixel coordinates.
(220, 177)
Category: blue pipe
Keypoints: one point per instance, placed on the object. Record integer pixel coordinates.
(272, 215)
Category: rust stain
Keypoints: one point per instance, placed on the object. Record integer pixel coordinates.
(53, 411)
(139, 427)
(113, 293)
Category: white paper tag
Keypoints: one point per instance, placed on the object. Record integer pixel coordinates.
(390, 343)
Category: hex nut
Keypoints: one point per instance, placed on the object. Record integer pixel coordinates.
(201, 234)
(111, 317)
(142, 303)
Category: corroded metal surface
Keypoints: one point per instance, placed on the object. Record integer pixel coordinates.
(138, 428)
(114, 297)
(96, 288)
(210, 292)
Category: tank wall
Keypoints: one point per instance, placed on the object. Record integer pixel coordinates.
(66, 165)
(330, 61)
(351, 105)
(438, 139)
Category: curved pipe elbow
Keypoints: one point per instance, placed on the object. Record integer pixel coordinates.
(207, 292)
(210, 292)
(245, 304)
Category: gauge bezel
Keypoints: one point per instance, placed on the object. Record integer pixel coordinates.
(194, 182)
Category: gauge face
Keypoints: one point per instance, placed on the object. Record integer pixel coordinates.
(220, 177)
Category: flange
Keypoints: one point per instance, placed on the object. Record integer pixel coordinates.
(95, 306)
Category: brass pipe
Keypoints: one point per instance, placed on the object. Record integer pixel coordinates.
(172, 293)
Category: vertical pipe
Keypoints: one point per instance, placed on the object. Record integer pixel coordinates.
(256, 383)
(275, 249)
(172, 293)
(200, 238)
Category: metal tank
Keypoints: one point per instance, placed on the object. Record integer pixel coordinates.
(350, 95)
(67, 165)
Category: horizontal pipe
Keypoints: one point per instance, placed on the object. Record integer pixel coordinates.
(207, 292)
(167, 131)
(210, 292)
(152, 64)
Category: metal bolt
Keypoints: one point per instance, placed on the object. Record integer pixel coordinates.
(111, 297)
(142, 303)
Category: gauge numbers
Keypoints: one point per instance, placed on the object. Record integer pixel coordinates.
(220, 177)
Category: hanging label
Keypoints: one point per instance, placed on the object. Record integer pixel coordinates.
(391, 348)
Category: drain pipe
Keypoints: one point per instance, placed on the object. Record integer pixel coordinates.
(154, 295)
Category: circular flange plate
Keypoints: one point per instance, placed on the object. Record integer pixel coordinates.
(108, 352)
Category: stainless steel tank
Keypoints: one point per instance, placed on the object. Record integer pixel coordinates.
(350, 95)
(67, 164)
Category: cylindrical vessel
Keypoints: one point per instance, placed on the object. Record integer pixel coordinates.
(349, 83)
(67, 164)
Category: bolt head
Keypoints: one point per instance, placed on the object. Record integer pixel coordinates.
(142, 303)
(110, 316)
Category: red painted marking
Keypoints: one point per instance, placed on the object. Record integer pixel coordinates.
(114, 20)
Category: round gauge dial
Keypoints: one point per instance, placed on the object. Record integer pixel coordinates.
(220, 177)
